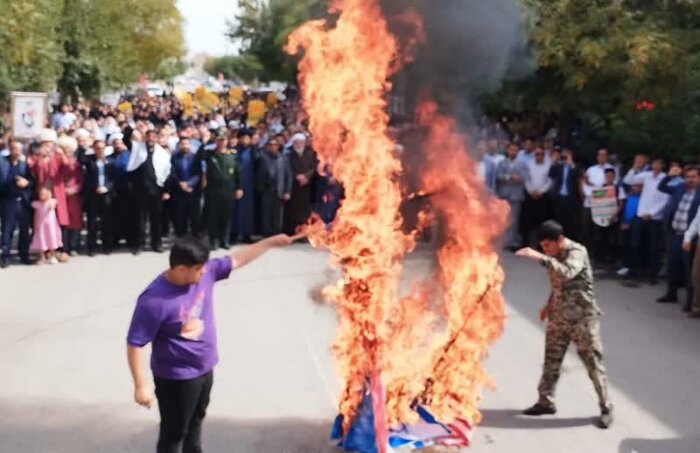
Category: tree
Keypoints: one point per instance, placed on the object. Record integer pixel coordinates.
(235, 67)
(596, 60)
(262, 28)
(83, 46)
(29, 51)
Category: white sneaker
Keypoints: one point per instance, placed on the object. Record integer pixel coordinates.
(623, 272)
(53, 260)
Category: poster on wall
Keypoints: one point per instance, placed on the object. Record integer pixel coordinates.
(28, 114)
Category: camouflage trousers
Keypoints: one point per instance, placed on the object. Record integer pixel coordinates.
(585, 334)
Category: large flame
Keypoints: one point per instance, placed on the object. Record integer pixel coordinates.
(382, 335)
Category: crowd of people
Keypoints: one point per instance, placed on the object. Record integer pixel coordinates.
(135, 176)
(639, 224)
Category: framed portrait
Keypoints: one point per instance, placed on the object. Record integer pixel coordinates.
(28, 114)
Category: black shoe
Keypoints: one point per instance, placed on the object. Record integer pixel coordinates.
(540, 409)
(136, 251)
(605, 420)
(653, 281)
(687, 308)
(90, 253)
(26, 261)
(158, 249)
(694, 315)
(248, 240)
(4, 262)
(667, 299)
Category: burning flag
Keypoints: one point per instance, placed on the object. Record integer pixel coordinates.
(404, 364)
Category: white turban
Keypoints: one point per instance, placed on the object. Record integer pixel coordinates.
(298, 136)
(81, 133)
(66, 142)
(47, 135)
(114, 137)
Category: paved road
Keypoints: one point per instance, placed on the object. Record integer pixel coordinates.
(65, 387)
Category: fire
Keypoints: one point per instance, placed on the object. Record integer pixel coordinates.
(385, 337)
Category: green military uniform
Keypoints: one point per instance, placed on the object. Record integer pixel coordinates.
(223, 180)
(574, 316)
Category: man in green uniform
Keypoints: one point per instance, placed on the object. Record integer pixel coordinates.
(221, 186)
(572, 315)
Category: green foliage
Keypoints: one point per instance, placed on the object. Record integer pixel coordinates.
(262, 28)
(236, 67)
(597, 59)
(84, 46)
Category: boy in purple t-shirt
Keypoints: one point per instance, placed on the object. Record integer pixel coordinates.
(175, 314)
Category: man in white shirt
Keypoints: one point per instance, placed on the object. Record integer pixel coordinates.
(526, 154)
(537, 206)
(493, 152)
(647, 226)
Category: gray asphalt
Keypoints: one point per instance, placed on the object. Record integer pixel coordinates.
(65, 385)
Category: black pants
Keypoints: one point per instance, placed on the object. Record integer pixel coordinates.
(99, 217)
(186, 213)
(646, 243)
(183, 406)
(605, 240)
(150, 210)
(533, 214)
(218, 210)
(71, 239)
(271, 213)
(16, 214)
(679, 265)
(124, 208)
(568, 211)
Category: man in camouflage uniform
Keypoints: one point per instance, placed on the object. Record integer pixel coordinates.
(221, 186)
(572, 315)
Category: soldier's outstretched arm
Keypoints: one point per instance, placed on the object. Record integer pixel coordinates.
(570, 268)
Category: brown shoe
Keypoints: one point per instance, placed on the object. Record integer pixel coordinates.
(63, 257)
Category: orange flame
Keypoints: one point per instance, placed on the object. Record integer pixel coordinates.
(344, 76)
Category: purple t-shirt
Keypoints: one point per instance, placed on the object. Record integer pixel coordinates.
(179, 321)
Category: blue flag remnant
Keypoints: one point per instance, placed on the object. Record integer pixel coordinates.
(427, 431)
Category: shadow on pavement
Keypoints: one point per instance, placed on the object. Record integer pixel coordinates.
(685, 445)
(72, 428)
(513, 419)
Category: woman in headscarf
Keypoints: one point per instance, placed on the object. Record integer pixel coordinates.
(73, 182)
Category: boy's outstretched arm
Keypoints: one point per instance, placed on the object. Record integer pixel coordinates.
(244, 255)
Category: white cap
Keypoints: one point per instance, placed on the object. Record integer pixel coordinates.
(81, 133)
(298, 136)
(47, 135)
(66, 142)
(114, 137)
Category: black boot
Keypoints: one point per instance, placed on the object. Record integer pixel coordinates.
(669, 298)
(606, 419)
(540, 409)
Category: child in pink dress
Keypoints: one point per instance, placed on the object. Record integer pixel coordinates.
(47, 232)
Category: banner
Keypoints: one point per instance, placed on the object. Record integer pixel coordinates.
(604, 205)
(256, 111)
(29, 114)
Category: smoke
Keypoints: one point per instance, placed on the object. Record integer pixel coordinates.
(470, 46)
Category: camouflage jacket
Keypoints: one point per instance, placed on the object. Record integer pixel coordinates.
(571, 277)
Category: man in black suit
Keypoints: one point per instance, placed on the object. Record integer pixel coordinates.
(15, 203)
(98, 190)
(567, 195)
(187, 194)
(149, 170)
